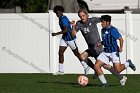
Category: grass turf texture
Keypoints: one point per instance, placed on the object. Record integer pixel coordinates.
(47, 83)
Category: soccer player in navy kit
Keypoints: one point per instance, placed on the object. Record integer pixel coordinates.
(88, 27)
(110, 35)
(66, 40)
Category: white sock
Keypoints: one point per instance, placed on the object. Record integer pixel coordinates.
(102, 79)
(126, 64)
(61, 67)
(84, 64)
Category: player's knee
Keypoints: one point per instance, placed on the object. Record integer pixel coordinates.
(96, 67)
(118, 70)
(82, 57)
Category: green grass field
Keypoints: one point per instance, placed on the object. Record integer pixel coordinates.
(47, 83)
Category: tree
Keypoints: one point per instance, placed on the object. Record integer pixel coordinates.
(6, 4)
(32, 6)
(71, 6)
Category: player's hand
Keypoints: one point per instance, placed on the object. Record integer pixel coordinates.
(120, 50)
(99, 44)
(72, 23)
(73, 28)
(54, 34)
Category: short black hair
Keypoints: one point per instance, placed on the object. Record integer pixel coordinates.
(58, 8)
(106, 18)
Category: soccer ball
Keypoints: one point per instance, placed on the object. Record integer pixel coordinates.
(82, 80)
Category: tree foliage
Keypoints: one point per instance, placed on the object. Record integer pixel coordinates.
(40, 6)
(32, 6)
(71, 6)
(6, 4)
(27, 6)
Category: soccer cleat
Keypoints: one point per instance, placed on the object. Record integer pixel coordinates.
(86, 70)
(58, 73)
(105, 85)
(131, 65)
(123, 80)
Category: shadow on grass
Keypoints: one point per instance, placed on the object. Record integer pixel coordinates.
(76, 85)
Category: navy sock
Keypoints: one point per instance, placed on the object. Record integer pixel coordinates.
(112, 70)
(90, 63)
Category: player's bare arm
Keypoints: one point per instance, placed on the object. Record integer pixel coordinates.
(73, 28)
(121, 44)
(61, 32)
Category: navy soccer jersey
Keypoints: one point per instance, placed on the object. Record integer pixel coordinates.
(109, 39)
(64, 22)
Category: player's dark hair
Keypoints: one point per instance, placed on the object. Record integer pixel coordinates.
(58, 8)
(106, 18)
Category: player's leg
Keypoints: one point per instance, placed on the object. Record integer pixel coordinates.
(92, 53)
(89, 52)
(116, 62)
(76, 53)
(72, 44)
(113, 71)
(61, 56)
(108, 67)
(98, 66)
(83, 62)
(62, 48)
(100, 73)
(101, 60)
(129, 63)
(120, 67)
(84, 57)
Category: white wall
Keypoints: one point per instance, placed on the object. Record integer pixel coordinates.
(28, 47)
(135, 49)
(112, 4)
(24, 43)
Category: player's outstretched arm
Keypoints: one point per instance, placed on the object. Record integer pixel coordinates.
(61, 32)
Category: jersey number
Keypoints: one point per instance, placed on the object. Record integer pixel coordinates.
(86, 30)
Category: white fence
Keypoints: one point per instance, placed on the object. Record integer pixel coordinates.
(28, 47)
(112, 5)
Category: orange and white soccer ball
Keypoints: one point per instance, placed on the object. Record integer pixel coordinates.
(82, 80)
